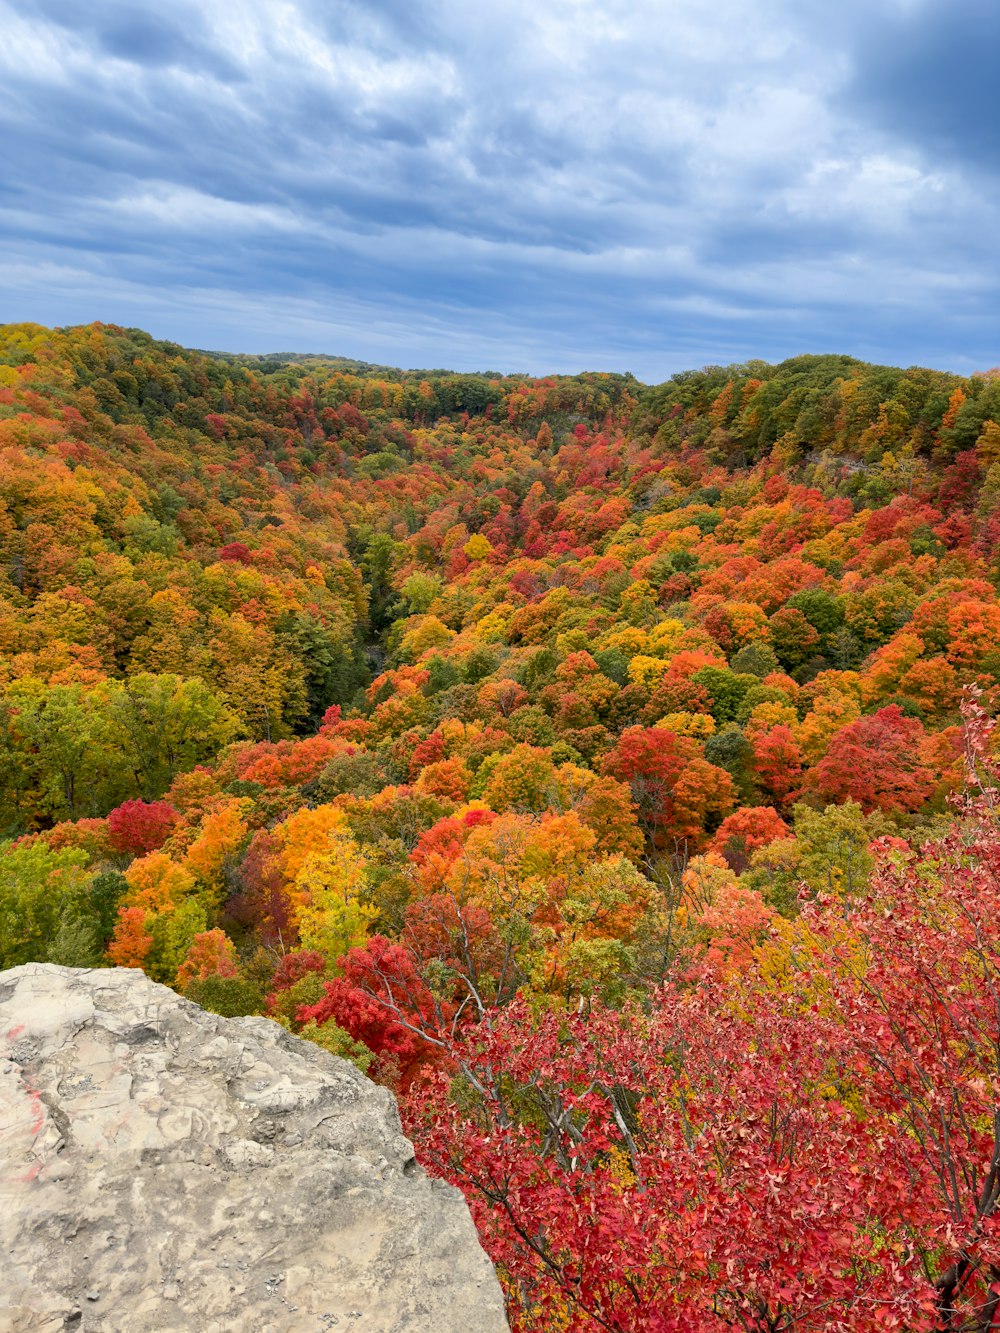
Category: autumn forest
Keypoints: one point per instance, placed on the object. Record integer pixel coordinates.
(607, 768)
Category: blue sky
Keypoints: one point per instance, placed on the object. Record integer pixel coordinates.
(643, 185)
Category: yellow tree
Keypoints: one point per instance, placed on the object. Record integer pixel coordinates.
(331, 919)
(305, 832)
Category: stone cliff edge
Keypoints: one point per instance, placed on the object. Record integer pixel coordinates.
(162, 1168)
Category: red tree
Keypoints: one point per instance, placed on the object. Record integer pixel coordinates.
(875, 761)
(138, 827)
(823, 1157)
(674, 788)
(292, 968)
(746, 829)
(382, 1000)
(682, 1173)
(777, 762)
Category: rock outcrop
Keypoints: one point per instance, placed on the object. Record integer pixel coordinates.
(162, 1168)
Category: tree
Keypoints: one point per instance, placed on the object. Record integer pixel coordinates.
(104, 893)
(746, 829)
(726, 690)
(138, 827)
(292, 968)
(829, 854)
(677, 792)
(684, 1170)
(924, 1020)
(755, 659)
(334, 669)
(212, 954)
(377, 563)
(331, 919)
(260, 680)
(777, 762)
(793, 638)
(232, 997)
(39, 888)
(757, 1155)
(163, 725)
(394, 1034)
(158, 918)
(76, 943)
(213, 852)
(132, 941)
(606, 806)
(54, 733)
(875, 762)
(523, 780)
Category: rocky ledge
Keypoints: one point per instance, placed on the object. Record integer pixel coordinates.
(162, 1168)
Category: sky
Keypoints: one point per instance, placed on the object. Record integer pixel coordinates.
(518, 185)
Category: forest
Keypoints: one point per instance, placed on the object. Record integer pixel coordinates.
(609, 769)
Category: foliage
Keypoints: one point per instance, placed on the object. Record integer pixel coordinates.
(41, 892)
(231, 997)
(559, 750)
(749, 1158)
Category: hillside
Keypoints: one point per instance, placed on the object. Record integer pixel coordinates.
(546, 746)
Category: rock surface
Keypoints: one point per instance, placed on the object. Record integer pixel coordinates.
(162, 1168)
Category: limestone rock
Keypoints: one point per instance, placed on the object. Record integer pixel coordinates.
(162, 1168)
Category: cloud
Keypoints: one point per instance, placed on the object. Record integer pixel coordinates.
(632, 185)
(177, 207)
(926, 73)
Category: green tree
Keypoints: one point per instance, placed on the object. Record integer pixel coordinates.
(39, 889)
(334, 671)
(755, 659)
(53, 734)
(164, 725)
(232, 997)
(726, 688)
(823, 610)
(420, 590)
(829, 854)
(76, 943)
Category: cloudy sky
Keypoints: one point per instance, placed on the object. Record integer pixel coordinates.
(642, 185)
